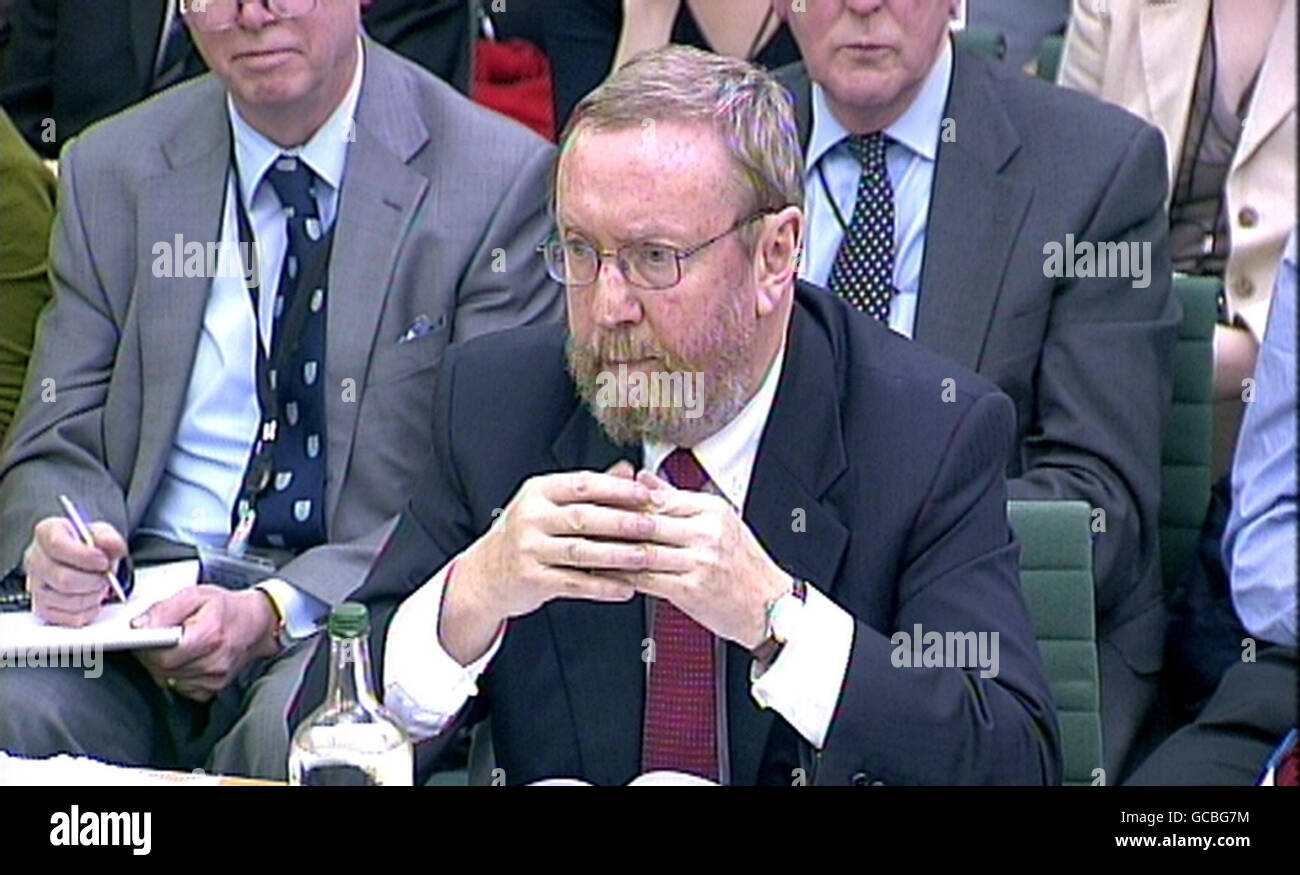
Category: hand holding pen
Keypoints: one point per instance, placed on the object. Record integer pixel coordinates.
(83, 532)
(68, 578)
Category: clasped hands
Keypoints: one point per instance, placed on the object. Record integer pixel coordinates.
(605, 537)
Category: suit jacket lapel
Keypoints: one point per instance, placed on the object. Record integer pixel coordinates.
(378, 200)
(970, 235)
(785, 510)
(606, 695)
(795, 79)
(184, 203)
(1170, 37)
(146, 21)
(1275, 93)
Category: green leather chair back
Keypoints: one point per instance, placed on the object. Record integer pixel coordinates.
(1185, 456)
(983, 41)
(1049, 57)
(1056, 576)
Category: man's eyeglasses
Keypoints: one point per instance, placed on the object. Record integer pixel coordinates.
(576, 262)
(215, 15)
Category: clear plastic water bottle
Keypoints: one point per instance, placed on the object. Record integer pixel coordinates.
(351, 739)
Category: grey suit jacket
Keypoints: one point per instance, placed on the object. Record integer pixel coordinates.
(441, 206)
(1088, 362)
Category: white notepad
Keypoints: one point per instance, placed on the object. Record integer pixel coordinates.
(66, 770)
(112, 628)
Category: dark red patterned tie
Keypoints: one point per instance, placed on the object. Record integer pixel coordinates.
(1288, 771)
(680, 714)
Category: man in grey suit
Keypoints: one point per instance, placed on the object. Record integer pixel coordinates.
(182, 389)
(954, 199)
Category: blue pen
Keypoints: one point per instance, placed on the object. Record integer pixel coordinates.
(84, 535)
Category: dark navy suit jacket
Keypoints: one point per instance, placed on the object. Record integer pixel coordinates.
(904, 502)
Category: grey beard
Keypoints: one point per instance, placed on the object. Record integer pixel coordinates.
(719, 400)
(721, 392)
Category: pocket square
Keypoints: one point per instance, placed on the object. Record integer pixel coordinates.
(420, 327)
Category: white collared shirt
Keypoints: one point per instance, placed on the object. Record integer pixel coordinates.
(910, 162)
(427, 687)
(221, 416)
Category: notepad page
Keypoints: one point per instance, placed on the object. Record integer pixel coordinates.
(65, 770)
(112, 628)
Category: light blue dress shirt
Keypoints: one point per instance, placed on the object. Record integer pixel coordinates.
(221, 416)
(1259, 543)
(910, 161)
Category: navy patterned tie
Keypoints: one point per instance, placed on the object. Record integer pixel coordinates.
(290, 510)
(863, 272)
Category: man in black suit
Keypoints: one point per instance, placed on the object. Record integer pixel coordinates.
(436, 34)
(6, 29)
(1024, 236)
(828, 501)
(75, 62)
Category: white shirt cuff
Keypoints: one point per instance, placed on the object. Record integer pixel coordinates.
(304, 615)
(423, 684)
(803, 683)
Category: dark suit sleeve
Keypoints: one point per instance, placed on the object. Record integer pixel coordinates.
(1105, 381)
(435, 526)
(436, 34)
(918, 725)
(27, 89)
(581, 38)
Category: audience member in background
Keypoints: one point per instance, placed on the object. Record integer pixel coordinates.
(511, 71)
(936, 199)
(76, 62)
(706, 222)
(1255, 703)
(72, 63)
(519, 19)
(1024, 23)
(27, 194)
(588, 39)
(389, 216)
(436, 34)
(6, 29)
(1219, 81)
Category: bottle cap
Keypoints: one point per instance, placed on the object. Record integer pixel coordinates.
(349, 620)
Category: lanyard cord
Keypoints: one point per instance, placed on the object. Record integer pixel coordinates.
(835, 208)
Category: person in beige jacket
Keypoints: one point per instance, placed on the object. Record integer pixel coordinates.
(1218, 79)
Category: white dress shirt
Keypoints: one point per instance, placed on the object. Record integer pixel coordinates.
(909, 161)
(427, 687)
(220, 418)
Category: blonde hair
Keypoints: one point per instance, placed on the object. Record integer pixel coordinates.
(751, 111)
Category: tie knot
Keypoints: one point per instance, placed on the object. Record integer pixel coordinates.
(292, 180)
(869, 150)
(683, 470)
